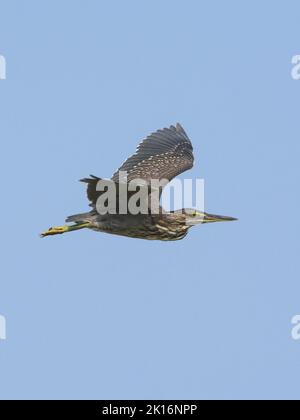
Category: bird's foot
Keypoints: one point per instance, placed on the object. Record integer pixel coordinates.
(59, 230)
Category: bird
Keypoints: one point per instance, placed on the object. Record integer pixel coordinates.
(164, 154)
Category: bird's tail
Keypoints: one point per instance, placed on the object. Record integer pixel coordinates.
(79, 218)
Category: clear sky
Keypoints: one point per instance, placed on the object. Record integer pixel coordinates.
(96, 316)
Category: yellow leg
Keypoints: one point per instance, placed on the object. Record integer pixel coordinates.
(59, 230)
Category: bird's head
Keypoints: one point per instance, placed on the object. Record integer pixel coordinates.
(195, 217)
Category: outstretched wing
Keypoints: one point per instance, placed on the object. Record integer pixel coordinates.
(163, 155)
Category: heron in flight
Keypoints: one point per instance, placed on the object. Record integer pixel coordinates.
(163, 155)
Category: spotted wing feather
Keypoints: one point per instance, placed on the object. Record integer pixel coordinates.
(163, 155)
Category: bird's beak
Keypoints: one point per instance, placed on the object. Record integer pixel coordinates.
(211, 218)
(201, 218)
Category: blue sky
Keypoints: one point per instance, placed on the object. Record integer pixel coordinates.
(96, 316)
